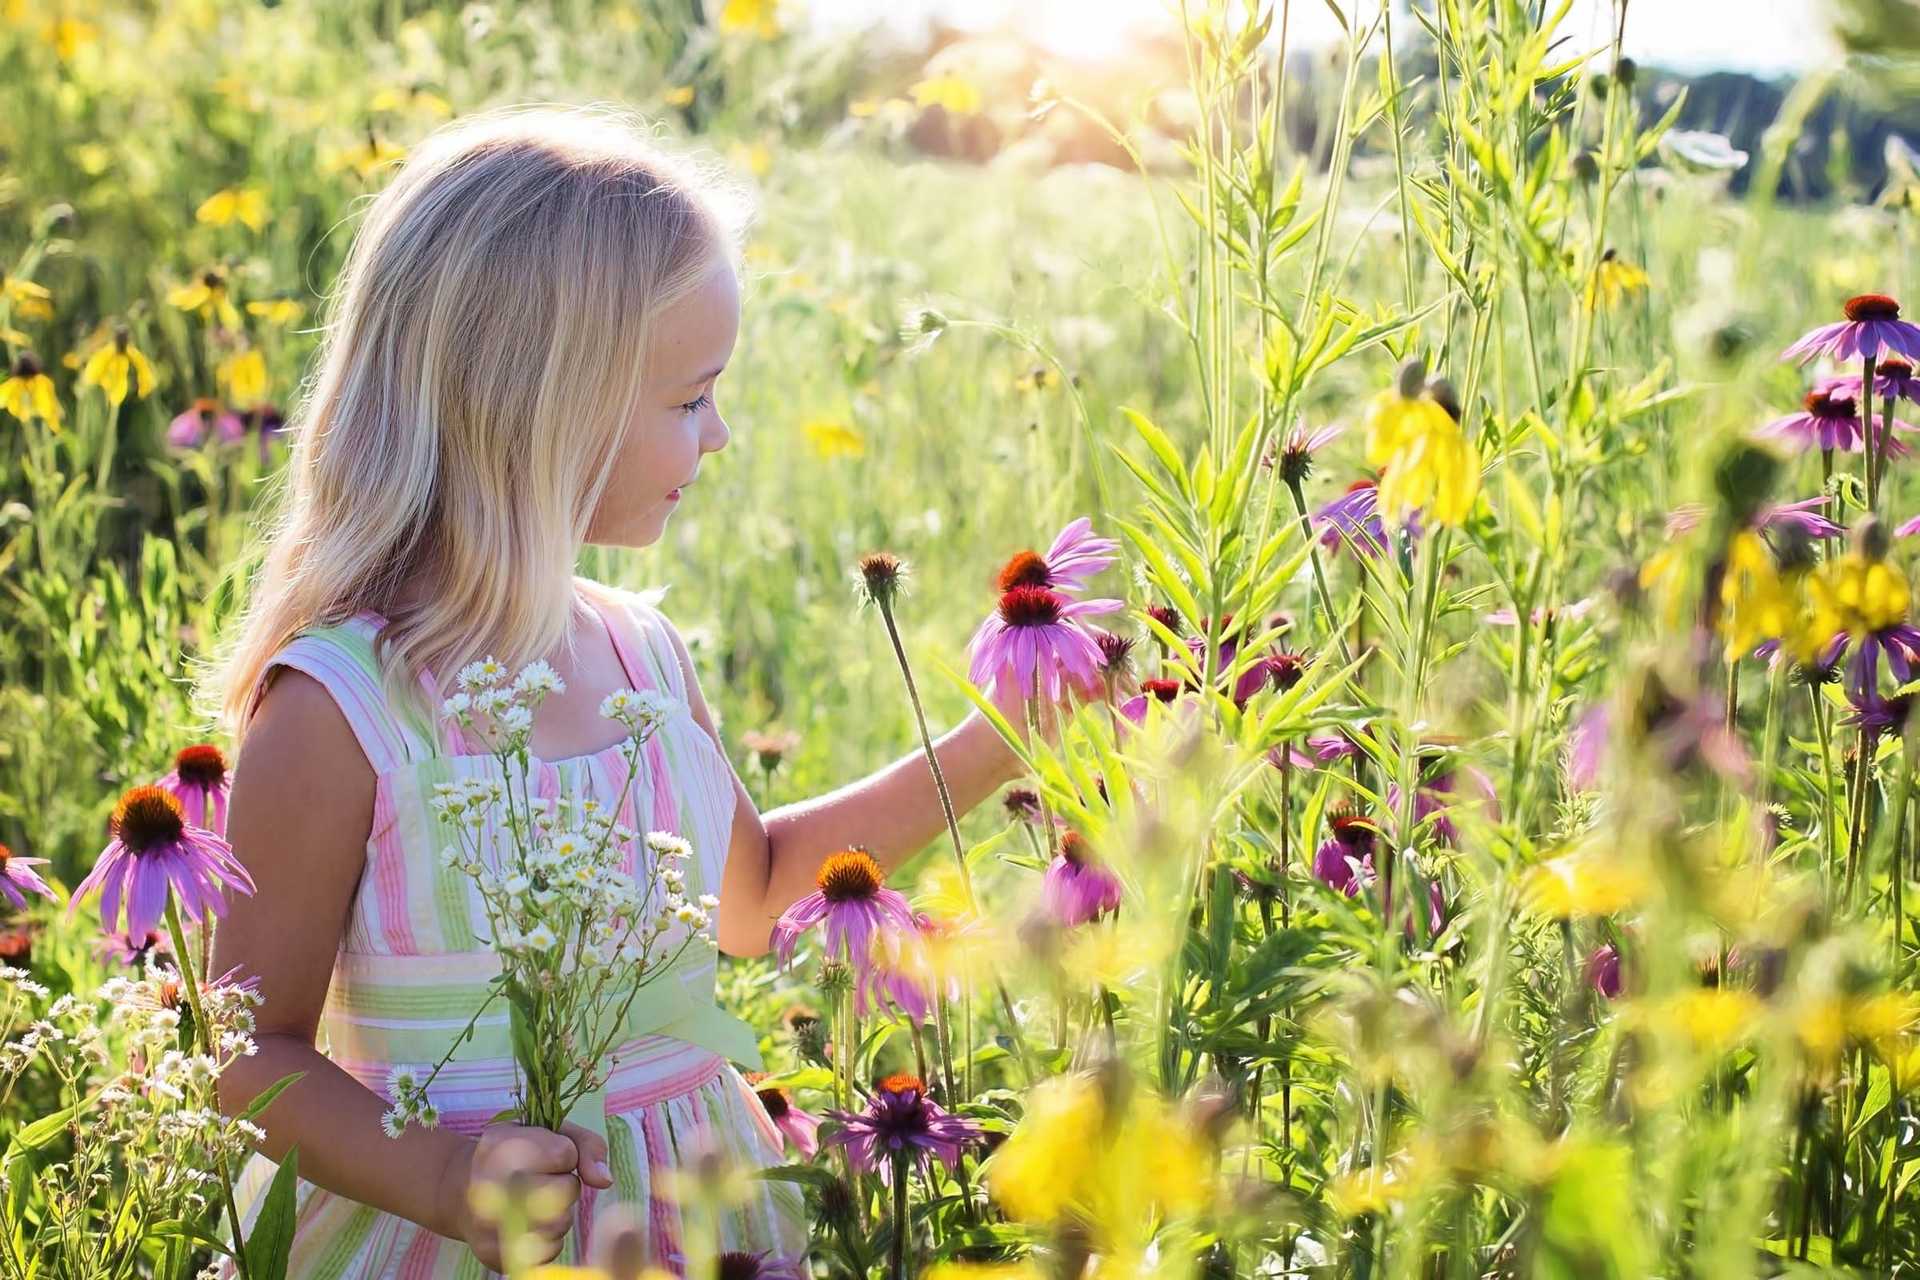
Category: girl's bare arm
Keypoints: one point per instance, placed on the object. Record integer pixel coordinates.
(301, 814)
(772, 859)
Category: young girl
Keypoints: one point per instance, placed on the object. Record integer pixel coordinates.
(520, 360)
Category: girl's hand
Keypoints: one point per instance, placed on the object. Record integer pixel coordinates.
(543, 1167)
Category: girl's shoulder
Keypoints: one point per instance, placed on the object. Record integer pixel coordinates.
(639, 614)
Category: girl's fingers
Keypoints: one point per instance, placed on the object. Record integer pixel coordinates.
(593, 1167)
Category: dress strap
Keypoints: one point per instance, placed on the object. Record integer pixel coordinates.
(639, 638)
(341, 657)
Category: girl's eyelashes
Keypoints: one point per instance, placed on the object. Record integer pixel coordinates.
(695, 406)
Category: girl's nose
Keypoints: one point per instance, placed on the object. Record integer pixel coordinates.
(716, 436)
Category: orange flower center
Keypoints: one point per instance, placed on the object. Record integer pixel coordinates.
(903, 1082)
(202, 764)
(849, 876)
(1872, 306)
(1030, 607)
(1822, 404)
(148, 818)
(1026, 569)
(1893, 367)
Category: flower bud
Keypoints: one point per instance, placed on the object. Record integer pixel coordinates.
(1412, 378)
(1870, 537)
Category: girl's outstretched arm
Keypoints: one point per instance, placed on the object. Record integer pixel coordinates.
(772, 858)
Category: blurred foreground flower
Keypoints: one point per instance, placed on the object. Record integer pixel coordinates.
(1413, 432)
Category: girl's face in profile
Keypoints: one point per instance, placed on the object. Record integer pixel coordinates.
(678, 422)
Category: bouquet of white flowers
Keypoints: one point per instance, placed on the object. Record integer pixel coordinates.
(578, 938)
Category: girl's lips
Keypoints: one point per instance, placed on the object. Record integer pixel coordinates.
(673, 495)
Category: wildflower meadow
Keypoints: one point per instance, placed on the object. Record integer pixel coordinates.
(1438, 534)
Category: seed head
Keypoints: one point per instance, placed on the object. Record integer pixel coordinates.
(878, 579)
(148, 818)
(849, 875)
(201, 764)
(1872, 306)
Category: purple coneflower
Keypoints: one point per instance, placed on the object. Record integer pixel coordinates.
(1078, 887)
(1587, 745)
(199, 781)
(18, 878)
(191, 427)
(1829, 418)
(857, 907)
(1603, 970)
(1873, 325)
(1547, 613)
(884, 984)
(1034, 642)
(739, 1264)
(123, 948)
(1296, 454)
(154, 849)
(1354, 517)
(800, 1127)
(1344, 860)
(1436, 797)
(1281, 671)
(1893, 379)
(1329, 747)
(1162, 691)
(901, 1119)
(1075, 557)
(1806, 515)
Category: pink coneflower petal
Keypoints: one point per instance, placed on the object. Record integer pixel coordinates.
(154, 851)
(1077, 556)
(18, 878)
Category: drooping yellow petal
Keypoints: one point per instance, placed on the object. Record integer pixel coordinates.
(244, 374)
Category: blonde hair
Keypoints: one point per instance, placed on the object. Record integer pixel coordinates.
(484, 342)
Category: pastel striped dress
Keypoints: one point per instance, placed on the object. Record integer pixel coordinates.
(414, 964)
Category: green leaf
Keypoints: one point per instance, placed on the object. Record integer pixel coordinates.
(270, 1243)
(266, 1096)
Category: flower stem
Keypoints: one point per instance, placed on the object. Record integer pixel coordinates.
(204, 1035)
(897, 1266)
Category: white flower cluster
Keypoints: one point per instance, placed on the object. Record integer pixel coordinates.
(149, 1139)
(408, 1088)
(501, 711)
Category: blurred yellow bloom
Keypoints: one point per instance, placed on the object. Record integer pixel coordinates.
(244, 374)
(276, 310)
(679, 95)
(1116, 1174)
(1613, 279)
(1023, 1270)
(1584, 884)
(364, 158)
(759, 17)
(834, 439)
(93, 158)
(1042, 377)
(1713, 1018)
(954, 93)
(425, 101)
(1855, 594)
(247, 205)
(66, 35)
(1366, 1190)
(861, 108)
(27, 393)
(208, 296)
(117, 367)
(28, 300)
(755, 158)
(1755, 602)
(1429, 463)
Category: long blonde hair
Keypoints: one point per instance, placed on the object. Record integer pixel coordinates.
(484, 343)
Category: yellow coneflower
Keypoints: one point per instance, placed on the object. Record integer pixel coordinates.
(246, 205)
(760, 17)
(364, 158)
(66, 35)
(1756, 603)
(276, 310)
(244, 374)
(208, 296)
(26, 299)
(116, 366)
(411, 98)
(28, 393)
(679, 95)
(1428, 463)
(834, 439)
(1613, 279)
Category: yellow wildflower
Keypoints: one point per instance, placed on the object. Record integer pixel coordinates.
(761, 17)
(411, 98)
(1366, 1190)
(679, 95)
(834, 439)
(364, 158)
(66, 35)
(1714, 1018)
(116, 366)
(1584, 884)
(1613, 279)
(1855, 593)
(1115, 1173)
(244, 373)
(954, 93)
(1429, 464)
(755, 158)
(247, 205)
(1755, 602)
(27, 300)
(28, 393)
(208, 296)
(1022, 1270)
(276, 310)
(1039, 378)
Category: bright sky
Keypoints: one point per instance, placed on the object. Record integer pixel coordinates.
(1766, 36)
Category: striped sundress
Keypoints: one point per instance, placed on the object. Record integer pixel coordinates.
(413, 965)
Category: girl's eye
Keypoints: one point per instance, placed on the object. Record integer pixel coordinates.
(695, 406)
